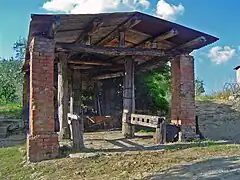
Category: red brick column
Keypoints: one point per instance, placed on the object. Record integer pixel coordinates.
(183, 109)
(42, 141)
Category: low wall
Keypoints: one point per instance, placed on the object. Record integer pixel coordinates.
(219, 121)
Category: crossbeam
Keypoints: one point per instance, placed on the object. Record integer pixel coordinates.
(110, 51)
(89, 62)
(130, 23)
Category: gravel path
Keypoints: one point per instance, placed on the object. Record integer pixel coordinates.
(211, 169)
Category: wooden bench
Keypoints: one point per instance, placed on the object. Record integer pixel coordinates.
(153, 122)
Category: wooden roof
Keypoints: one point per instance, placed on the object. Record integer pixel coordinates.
(141, 30)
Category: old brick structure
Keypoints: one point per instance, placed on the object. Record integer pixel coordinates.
(70, 54)
(42, 140)
(183, 109)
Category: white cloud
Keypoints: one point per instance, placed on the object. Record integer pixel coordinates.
(169, 11)
(94, 6)
(144, 3)
(220, 54)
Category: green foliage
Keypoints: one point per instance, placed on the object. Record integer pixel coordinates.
(153, 90)
(199, 87)
(10, 80)
(11, 110)
(19, 48)
(11, 76)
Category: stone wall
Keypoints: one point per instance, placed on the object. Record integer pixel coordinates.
(219, 120)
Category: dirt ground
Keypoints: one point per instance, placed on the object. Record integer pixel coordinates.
(211, 169)
(110, 156)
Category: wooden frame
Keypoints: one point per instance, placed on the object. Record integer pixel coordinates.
(153, 122)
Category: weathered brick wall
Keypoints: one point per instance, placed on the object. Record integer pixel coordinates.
(42, 140)
(183, 95)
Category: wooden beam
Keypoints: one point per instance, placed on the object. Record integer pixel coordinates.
(192, 44)
(111, 51)
(109, 76)
(167, 35)
(89, 62)
(130, 23)
(161, 37)
(89, 30)
(53, 28)
(80, 67)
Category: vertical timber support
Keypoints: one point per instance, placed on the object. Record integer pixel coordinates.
(63, 97)
(183, 109)
(42, 142)
(128, 129)
(26, 92)
(77, 126)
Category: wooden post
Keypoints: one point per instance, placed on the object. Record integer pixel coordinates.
(161, 131)
(77, 131)
(128, 130)
(71, 99)
(63, 98)
(77, 125)
(77, 87)
(128, 99)
(26, 93)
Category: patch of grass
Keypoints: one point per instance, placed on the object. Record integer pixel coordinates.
(11, 110)
(196, 144)
(116, 166)
(222, 96)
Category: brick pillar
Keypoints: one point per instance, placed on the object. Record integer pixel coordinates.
(42, 143)
(183, 109)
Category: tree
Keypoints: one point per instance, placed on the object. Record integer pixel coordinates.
(11, 76)
(153, 90)
(199, 87)
(19, 48)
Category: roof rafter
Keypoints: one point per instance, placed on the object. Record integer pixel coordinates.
(128, 24)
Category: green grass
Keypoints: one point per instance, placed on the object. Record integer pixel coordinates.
(117, 166)
(11, 110)
(222, 96)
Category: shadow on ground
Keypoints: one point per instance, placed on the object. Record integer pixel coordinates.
(137, 144)
(211, 169)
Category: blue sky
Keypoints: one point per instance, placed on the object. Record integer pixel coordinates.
(214, 63)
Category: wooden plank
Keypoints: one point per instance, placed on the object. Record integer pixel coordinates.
(80, 67)
(145, 120)
(111, 51)
(63, 98)
(109, 76)
(192, 44)
(166, 35)
(73, 116)
(130, 23)
(89, 62)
